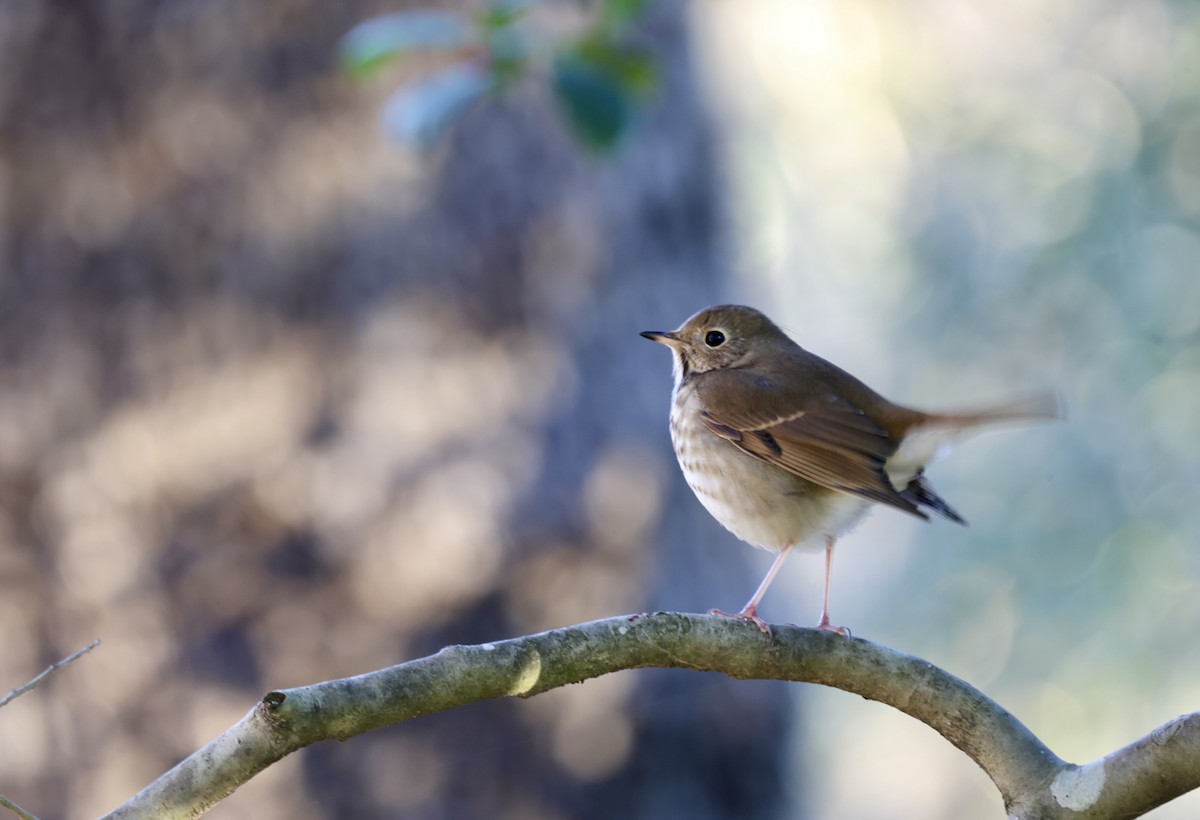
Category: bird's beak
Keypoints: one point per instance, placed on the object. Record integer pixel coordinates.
(663, 337)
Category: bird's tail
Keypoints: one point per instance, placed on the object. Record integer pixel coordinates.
(933, 436)
(1045, 406)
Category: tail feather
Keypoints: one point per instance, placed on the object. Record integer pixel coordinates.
(919, 492)
(930, 439)
(1045, 406)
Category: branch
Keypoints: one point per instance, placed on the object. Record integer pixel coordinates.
(1127, 783)
(1033, 781)
(47, 672)
(20, 690)
(15, 809)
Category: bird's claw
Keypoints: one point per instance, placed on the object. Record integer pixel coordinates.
(747, 614)
(825, 626)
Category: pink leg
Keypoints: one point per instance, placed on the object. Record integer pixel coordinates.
(830, 543)
(750, 610)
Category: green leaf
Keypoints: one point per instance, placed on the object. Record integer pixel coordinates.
(634, 69)
(420, 114)
(621, 12)
(501, 13)
(371, 45)
(509, 51)
(594, 102)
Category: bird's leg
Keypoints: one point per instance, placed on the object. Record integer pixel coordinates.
(750, 610)
(830, 543)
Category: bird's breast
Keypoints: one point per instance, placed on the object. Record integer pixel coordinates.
(761, 504)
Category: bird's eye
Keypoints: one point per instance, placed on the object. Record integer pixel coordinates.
(714, 338)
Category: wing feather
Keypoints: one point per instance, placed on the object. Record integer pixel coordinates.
(813, 434)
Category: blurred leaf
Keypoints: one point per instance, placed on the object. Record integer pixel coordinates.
(633, 69)
(421, 113)
(504, 13)
(595, 79)
(620, 12)
(594, 101)
(371, 45)
(509, 50)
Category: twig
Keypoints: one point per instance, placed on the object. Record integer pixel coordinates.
(15, 809)
(45, 673)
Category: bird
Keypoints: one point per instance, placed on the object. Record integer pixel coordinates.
(786, 450)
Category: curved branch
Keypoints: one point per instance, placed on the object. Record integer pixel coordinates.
(1033, 780)
(1127, 783)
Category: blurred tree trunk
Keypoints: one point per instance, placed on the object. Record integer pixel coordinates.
(280, 403)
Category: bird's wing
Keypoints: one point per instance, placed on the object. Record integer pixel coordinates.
(813, 433)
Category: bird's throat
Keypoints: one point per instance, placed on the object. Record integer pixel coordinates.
(682, 370)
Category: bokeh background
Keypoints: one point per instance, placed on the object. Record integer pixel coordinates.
(281, 400)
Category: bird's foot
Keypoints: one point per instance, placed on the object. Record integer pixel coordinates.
(748, 613)
(825, 626)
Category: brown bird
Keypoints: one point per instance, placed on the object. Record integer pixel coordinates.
(787, 450)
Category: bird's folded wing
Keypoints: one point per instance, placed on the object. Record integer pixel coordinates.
(818, 436)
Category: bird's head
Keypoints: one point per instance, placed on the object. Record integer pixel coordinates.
(716, 338)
